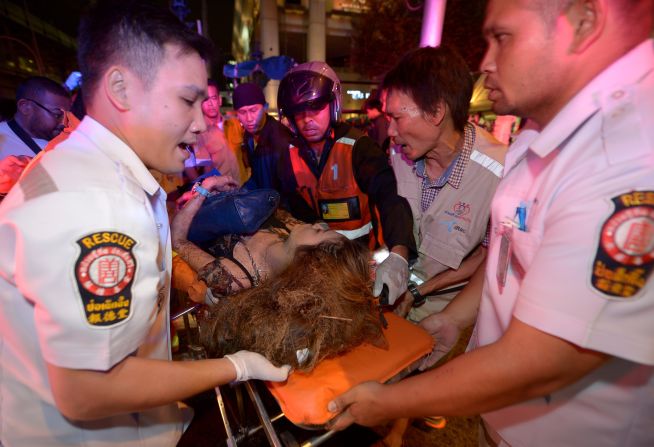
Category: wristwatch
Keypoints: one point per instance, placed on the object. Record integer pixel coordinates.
(418, 299)
(200, 190)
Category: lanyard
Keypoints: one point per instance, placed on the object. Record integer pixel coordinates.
(24, 136)
(519, 222)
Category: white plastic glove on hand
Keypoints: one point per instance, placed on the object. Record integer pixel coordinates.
(394, 272)
(251, 365)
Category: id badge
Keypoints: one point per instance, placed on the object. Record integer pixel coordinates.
(339, 210)
(504, 257)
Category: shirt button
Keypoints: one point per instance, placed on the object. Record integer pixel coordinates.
(159, 226)
(617, 112)
(617, 94)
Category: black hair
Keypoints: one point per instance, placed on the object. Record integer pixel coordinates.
(431, 75)
(213, 83)
(34, 87)
(132, 33)
(550, 10)
(373, 103)
(78, 108)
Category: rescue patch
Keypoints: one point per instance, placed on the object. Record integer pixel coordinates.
(625, 255)
(104, 272)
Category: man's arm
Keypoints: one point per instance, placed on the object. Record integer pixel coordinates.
(136, 384)
(375, 177)
(450, 276)
(464, 307)
(525, 363)
(181, 223)
(446, 326)
(446, 278)
(279, 142)
(11, 168)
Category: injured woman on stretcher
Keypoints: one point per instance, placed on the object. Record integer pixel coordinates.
(293, 292)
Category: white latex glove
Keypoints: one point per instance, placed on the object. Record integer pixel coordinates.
(445, 333)
(394, 272)
(251, 365)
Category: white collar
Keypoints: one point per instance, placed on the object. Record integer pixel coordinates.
(118, 151)
(629, 69)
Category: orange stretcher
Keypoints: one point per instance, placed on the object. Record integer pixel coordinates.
(303, 398)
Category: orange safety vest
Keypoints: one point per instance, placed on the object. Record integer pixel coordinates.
(335, 196)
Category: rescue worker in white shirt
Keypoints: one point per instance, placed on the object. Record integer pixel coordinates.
(562, 350)
(336, 174)
(446, 168)
(41, 104)
(84, 305)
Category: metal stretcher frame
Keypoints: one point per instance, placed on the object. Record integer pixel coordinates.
(407, 344)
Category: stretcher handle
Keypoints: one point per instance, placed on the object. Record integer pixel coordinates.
(383, 301)
(183, 312)
(383, 296)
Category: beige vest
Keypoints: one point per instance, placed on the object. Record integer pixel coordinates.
(456, 222)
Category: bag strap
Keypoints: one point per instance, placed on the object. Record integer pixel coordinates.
(242, 267)
(24, 136)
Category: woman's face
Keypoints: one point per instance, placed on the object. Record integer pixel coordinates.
(307, 234)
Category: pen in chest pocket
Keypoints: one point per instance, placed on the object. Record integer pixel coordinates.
(507, 226)
(521, 216)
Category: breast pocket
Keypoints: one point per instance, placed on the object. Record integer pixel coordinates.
(524, 246)
(447, 248)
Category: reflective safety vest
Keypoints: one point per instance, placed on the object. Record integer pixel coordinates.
(335, 196)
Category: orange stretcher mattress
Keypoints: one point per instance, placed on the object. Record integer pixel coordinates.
(304, 397)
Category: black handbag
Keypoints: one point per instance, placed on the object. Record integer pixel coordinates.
(234, 212)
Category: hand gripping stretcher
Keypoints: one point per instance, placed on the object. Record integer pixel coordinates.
(303, 398)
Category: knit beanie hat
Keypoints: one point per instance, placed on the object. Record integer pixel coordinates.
(246, 95)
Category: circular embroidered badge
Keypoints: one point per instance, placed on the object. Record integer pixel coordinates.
(106, 271)
(628, 236)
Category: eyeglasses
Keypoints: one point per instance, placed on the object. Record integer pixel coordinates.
(58, 114)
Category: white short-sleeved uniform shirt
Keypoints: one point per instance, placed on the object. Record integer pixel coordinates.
(11, 144)
(84, 277)
(582, 270)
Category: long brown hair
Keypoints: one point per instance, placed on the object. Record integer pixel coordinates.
(322, 302)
